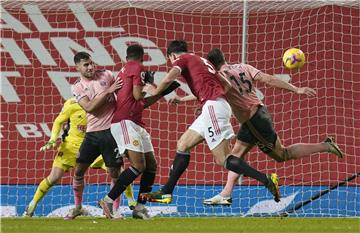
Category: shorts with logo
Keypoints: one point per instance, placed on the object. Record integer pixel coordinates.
(66, 156)
(213, 124)
(130, 136)
(96, 143)
(259, 131)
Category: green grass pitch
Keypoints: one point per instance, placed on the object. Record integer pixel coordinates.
(174, 225)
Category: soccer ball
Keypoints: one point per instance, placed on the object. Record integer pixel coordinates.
(293, 58)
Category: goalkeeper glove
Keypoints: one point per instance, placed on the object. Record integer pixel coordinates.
(50, 144)
(149, 77)
(170, 88)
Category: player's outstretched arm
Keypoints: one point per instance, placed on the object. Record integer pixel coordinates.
(276, 82)
(167, 81)
(151, 90)
(177, 99)
(63, 116)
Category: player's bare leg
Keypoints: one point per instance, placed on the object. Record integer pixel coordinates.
(236, 164)
(78, 189)
(186, 142)
(45, 185)
(114, 173)
(301, 150)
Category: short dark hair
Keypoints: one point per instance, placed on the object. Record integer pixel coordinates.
(177, 46)
(135, 52)
(81, 56)
(216, 57)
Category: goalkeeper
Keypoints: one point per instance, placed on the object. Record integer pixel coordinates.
(65, 159)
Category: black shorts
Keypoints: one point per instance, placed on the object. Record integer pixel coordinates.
(259, 131)
(99, 143)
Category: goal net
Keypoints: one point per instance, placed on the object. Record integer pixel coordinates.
(40, 38)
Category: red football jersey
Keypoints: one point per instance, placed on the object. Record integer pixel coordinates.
(127, 108)
(200, 76)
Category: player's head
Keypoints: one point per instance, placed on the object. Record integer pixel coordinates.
(216, 57)
(135, 52)
(175, 48)
(84, 64)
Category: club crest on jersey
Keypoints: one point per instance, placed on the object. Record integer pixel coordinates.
(102, 83)
(135, 143)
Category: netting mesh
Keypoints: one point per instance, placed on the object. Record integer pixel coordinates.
(39, 39)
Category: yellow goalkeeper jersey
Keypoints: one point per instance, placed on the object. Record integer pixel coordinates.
(72, 112)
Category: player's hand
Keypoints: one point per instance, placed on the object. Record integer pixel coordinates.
(49, 145)
(174, 100)
(170, 88)
(306, 90)
(116, 85)
(149, 77)
(149, 88)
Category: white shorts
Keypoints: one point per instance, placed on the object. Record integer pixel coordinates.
(130, 136)
(213, 124)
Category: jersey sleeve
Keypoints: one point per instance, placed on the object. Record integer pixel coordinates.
(251, 70)
(110, 76)
(63, 116)
(180, 63)
(137, 74)
(78, 91)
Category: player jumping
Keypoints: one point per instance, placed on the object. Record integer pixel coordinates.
(213, 124)
(256, 123)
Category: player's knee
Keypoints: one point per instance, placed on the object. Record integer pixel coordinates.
(79, 173)
(53, 179)
(78, 178)
(114, 172)
(151, 167)
(283, 156)
(232, 163)
(80, 169)
(182, 145)
(140, 167)
(220, 161)
(50, 180)
(151, 164)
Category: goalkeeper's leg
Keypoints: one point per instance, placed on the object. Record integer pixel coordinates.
(45, 185)
(130, 197)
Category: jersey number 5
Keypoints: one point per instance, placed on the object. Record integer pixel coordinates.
(208, 65)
